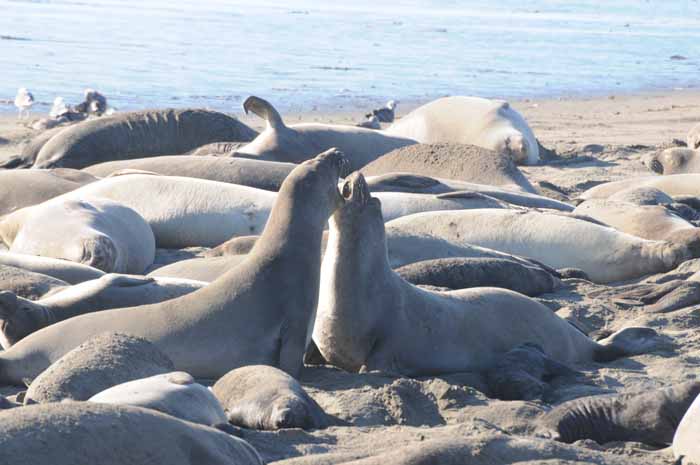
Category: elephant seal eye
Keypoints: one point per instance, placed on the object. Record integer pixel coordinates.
(347, 190)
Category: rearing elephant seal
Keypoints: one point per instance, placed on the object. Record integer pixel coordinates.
(369, 316)
(261, 312)
(294, 144)
(138, 134)
(491, 124)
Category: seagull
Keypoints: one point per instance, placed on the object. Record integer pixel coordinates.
(372, 122)
(23, 101)
(59, 108)
(386, 114)
(94, 102)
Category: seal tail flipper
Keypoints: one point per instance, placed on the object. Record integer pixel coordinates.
(100, 252)
(265, 110)
(625, 343)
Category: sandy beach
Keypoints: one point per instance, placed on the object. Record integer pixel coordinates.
(595, 140)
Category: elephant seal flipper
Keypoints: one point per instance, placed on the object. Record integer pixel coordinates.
(264, 110)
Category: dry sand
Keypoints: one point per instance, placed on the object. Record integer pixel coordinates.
(597, 139)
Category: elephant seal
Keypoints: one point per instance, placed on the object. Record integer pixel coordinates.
(96, 232)
(70, 272)
(655, 222)
(206, 269)
(648, 417)
(266, 398)
(368, 316)
(462, 273)
(27, 284)
(218, 149)
(491, 124)
(675, 160)
(29, 152)
(20, 317)
(398, 204)
(173, 393)
(674, 185)
(558, 241)
(299, 142)
(642, 196)
(87, 433)
(693, 137)
(99, 363)
(138, 134)
(417, 184)
(459, 162)
(685, 439)
(260, 174)
(184, 212)
(261, 312)
(45, 185)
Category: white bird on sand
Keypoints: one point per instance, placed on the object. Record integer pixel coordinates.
(372, 122)
(23, 101)
(385, 114)
(94, 103)
(59, 108)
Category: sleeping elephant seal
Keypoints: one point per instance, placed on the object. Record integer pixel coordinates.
(459, 162)
(260, 174)
(299, 142)
(260, 312)
(368, 316)
(266, 398)
(558, 241)
(28, 284)
(418, 184)
(138, 134)
(173, 393)
(16, 193)
(97, 364)
(693, 137)
(491, 124)
(96, 232)
(185, 212)
(675, 160)
(70, 272)
(648, 417)
(685, 440)
(687, 184)
(462, 273)
(206, 269)
(87, 433)
(20, 317)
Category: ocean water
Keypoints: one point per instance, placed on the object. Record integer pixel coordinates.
(307, 55)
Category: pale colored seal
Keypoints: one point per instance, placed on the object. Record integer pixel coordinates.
(266, 398)
(99, 363)
(685, 439)
(20, 317)
(558, 241)
(96, 232)
(185, 212)
(418, 184)
(693, 137)
(206, 269)
(462, 273)
(261, 312)
(45, 184)
(459, 162)
(368, 316)
(491, 124)
(260, 174)
(398, 204)
(673, 185)
(650, 417)
(299, 142)
(642, 196)
(675, 160)
(138, 134)
(70, 272)
(87, 433)
(27, 284)
(173, 393)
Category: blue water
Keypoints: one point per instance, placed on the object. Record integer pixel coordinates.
(304, 55)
